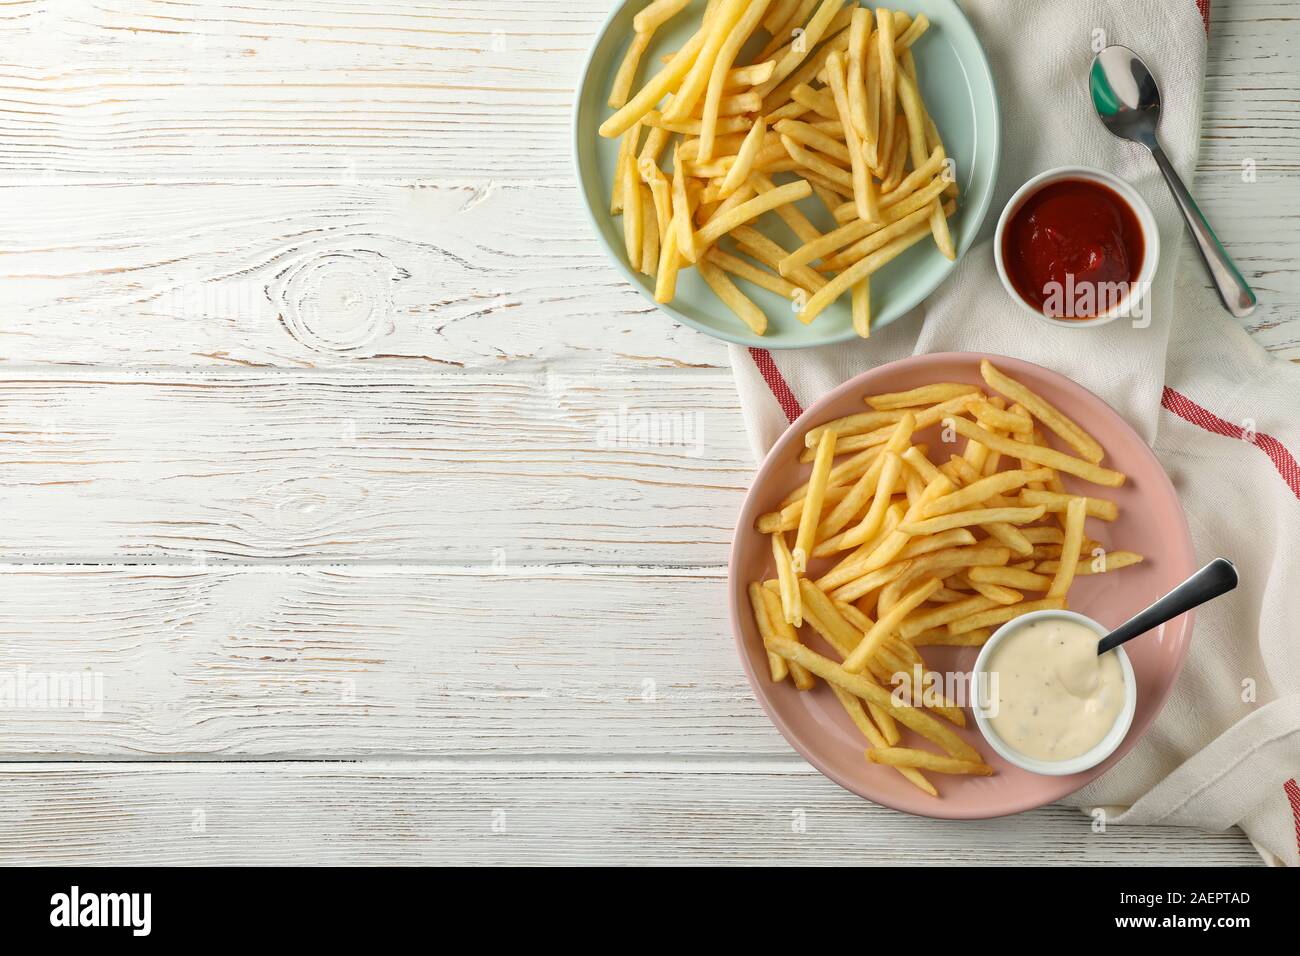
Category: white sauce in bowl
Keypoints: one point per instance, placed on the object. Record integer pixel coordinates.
(1053, 697)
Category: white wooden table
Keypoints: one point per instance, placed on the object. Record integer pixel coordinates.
(307, 356)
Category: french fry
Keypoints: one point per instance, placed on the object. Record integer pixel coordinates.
(860, 307)
(1110, 561)
(945, 561)
(844, 472)
(923, 395)
(982, 490)
(655, 142)
(1102, 508)
(731, 297)
(817, 163)
(937, 617)
(944, 540)
(864, 490)
(682, 210)
(778, 15)
(1000, 615)
(895, 170)
(655, 90)
(871, 135)
(633, 212)
(656, 14)
(888, 726)
(940, 637)
(903, 672)
(889, 624)
(926, 418)
(649, 232)
(997, 593)
(669, 264)
(888, 734)
(811, 516)
(819, 101)
(914, 181)
(1039, 454)
(627, 146)
(1010, 577)
(857, 424)
(758, 604)
(809, 135)
(924, 760)
(914, 210)
(744, 27)
(718, 227)
(961, 519)
(782, 630)
(858, 585)
(992, 417)
(924, 724)
(770, 254)
(888, 549)
(888, 71)
(939, 228)
(805, 73)
(791, 604)
(726, 125)
(752, 75)
(717, 28)
(789, 213)
(1075, 514)
(912, 33)
(827, 619)
(871, 522)
(797, 51)
(864, 187)
(627, 69)
(751, 273)
(865, 236)
(859, 36)
(787, 518)
(1047, 413)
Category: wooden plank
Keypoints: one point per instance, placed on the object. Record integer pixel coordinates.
(1248, 172)
(300, 662)
(437, 812)
(322, 467)
(151, 89)
(487, 276)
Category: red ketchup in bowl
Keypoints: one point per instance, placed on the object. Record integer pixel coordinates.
(1073, 249)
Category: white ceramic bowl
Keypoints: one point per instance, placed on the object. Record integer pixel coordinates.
(1146, 222)
(1054, 768)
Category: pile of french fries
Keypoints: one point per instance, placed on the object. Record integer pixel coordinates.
(928, 552)
(830, 102)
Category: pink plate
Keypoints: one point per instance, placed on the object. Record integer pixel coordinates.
(1151, 522)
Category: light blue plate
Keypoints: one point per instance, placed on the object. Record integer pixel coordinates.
(958, 90)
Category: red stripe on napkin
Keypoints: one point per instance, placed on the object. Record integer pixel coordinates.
(1293, 794)
(1204, 7)
(777, 383)
(1282, 459)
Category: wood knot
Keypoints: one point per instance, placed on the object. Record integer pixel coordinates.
(339, 302)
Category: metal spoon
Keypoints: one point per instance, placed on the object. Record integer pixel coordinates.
(1127, 99)
(1217, 577)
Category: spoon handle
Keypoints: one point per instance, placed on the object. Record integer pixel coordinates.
(1232, 288)
(1217, 577)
